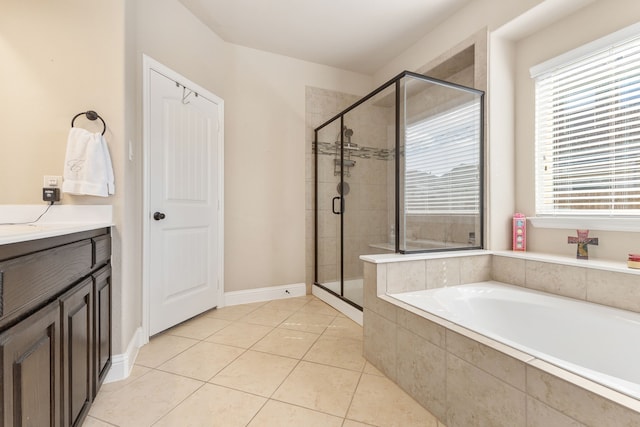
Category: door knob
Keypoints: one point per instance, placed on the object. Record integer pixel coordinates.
(158, 216)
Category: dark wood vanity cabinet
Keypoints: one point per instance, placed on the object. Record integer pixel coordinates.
(31, 370)
(55, 327)
(76, 309)
(102, 326)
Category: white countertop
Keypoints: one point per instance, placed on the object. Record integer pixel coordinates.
(15, 225)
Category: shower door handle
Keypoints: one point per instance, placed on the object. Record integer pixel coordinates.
(333, 207)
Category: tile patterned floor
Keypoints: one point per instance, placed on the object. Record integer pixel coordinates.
(294, 362)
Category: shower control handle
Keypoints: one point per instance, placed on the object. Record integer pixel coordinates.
(333, 207)
(158, 216)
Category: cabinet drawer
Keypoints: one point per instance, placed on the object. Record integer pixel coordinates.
(30, 280)
(101, 249)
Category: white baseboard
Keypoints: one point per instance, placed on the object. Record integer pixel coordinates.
(121, 364)
(264, 294)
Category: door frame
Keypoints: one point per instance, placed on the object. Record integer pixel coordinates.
(149, 64)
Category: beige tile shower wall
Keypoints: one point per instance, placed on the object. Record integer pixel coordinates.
(320, 106)
(452, 229)
(407, 276)
(366, 205)
(366, 212)
(464, 380)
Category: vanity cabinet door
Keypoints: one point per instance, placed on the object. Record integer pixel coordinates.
(30, 354)
(102, 316)
(77, 352)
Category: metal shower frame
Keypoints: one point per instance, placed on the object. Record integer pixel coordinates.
(394, 81)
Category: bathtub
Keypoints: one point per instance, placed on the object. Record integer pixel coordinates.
(596, 342)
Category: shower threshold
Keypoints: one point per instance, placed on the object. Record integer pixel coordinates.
(350, 305)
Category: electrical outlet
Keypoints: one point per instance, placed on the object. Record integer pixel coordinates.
(51, 194)
(52, 181)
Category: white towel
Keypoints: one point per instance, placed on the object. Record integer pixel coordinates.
(87, 166)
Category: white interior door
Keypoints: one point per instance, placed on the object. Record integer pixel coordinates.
(183, 203)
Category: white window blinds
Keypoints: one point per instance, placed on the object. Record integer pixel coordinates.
(588, 134)
(442, 162)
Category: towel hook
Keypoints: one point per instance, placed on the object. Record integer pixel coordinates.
(186, 93)
(91, 115)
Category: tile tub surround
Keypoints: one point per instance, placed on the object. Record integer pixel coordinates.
(464, 378)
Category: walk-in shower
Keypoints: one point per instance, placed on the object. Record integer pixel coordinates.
(399, 171)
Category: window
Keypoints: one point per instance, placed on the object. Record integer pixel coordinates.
(588, 132)
(442, 162)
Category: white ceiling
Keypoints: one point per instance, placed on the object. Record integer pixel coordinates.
(356, 35)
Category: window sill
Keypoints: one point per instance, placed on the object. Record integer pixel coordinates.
(587, 223)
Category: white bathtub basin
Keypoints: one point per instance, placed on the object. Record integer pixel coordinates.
(597, 342)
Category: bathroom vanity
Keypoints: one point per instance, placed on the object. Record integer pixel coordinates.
(55, 325)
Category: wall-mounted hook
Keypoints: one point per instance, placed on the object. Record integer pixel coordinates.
(186, 93)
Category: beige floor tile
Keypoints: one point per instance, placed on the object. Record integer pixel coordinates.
(319, 387)
(202, 361)
(136, 373)
(332, 381)
(255, 372)
(162, 348)
(232, 312)
(214, 406)
(319, 307)
(198, 328)
(351, 423)
(286, 342)
(94, 422)
(291, 304)
(279, 414)
(335, 351)
(380, 402)
(266, 316)
(144, 401)
(345, 328)
(308, 322)
(240, 334)
(372, 370)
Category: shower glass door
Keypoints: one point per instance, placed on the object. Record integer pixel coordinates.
(399, 171)
(355, 193)
(329, 207)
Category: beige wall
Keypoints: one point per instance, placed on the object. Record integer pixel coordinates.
(579, 28)
(458, 28)
(265, 164)
(59, 59)
(264, 137)
(63, 58)
(521, 34)
(170, 34)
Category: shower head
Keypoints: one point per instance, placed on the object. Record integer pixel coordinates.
(347, 133)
